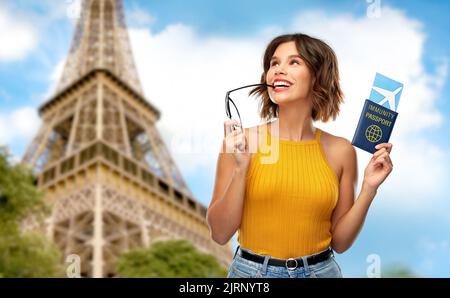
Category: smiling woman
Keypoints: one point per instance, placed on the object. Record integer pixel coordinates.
(310, 56)
(292, 212)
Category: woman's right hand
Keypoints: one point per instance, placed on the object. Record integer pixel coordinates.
(235, 143)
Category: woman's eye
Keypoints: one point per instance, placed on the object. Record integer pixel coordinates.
(273, 63)
(295, 62)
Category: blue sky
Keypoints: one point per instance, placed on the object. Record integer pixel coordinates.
(408, 220)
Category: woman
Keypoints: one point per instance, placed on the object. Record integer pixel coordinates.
(294, 212)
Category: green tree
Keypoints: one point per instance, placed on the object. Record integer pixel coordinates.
(398, 271)
(18, 195)
(23, 254)
(29, 255)
(173, 258)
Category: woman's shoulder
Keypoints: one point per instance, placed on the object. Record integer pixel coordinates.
(339, 145)
(339, 152)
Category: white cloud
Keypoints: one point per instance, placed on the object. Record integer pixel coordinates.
(54, 78)
(19, 125)
(139, 17)
(73, 10)
(392, 45)
(56, 74)
(186, 76)
(17, 37)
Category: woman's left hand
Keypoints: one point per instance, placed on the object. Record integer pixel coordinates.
(379, 167)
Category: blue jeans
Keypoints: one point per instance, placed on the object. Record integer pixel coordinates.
(242, 268)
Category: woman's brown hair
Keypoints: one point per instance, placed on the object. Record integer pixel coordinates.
(322, 63)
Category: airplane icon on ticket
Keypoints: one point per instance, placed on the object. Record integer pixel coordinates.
(386, 92)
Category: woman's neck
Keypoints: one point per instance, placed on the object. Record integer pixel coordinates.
(295, 124)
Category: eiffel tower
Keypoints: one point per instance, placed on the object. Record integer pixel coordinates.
(100, 160)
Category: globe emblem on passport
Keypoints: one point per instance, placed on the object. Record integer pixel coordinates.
(374, 133)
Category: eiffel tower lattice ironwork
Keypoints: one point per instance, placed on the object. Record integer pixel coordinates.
(100, 159)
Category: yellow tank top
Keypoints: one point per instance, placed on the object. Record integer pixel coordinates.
(288, 203)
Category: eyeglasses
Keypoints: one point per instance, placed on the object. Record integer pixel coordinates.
(228, 100)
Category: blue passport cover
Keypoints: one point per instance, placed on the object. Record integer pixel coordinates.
(374, 126)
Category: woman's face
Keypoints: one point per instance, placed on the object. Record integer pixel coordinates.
(289, 74)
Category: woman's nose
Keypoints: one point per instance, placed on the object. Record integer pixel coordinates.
(279, 70)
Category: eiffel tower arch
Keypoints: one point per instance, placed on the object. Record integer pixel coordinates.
(100, 160)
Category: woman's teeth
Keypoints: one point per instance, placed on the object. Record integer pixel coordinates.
(280, 85)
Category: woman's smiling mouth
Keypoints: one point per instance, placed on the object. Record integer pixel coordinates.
(281, 85)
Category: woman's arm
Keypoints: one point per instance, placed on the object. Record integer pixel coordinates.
(225, 210)
(349, 216)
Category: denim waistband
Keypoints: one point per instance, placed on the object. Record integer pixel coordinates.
(291, 263)
(252, 252)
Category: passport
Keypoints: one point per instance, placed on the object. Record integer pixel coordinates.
(378, 114)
